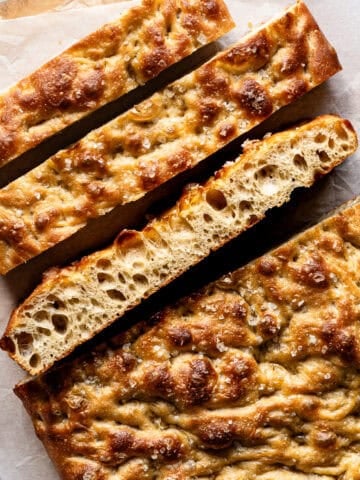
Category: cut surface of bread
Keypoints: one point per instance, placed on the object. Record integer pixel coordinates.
(172, 131)
(103, 66)
(73, 303)
(254, 377)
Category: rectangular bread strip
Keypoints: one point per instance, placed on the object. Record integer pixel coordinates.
(72, 304)
(255, 376)
(103, 66)
(170, 132)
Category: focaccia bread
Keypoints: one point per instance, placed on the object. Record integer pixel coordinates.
(72, 304)
(254, 377)
(103, 66)
(170, 132)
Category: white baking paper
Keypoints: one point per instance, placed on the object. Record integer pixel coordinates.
(26, 43)
(22, 8)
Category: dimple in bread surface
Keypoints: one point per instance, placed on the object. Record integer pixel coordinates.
(103, 66)
(170, 132)
(72, 304)
(254, 377)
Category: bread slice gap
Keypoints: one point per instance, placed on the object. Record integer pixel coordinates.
(72, 304)
(168, 133)
(254, 376)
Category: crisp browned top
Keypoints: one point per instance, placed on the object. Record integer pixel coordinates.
(172, 131)
(256, 376)
(103, 66)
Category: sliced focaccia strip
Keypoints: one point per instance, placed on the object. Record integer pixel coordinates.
(255, 376)
(172, 131)
(72, 304)
(103, 66)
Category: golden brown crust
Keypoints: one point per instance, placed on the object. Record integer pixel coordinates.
(172, 131)
(51, 322)
(103, 66)
(255, 376)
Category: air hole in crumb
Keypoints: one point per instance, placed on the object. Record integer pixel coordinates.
(266, 172)
(245, 205)
(331, 143)
(216, 199)
(44, 331)
(320, 138)
(74, 301)
(341, 132)
(60, 323)
(104, 277)
(56, 302)
(34, 360)
(345, 147)
(41, 316)
(324, 157)
(103, 264)
(140, 279)
(25, 342)
(300, 162)
(207, 218)
(115, 295)
(121, 278)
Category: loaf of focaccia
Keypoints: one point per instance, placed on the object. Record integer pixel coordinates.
(110, 62)
(257, 376)
(172, 131)
(74, 303)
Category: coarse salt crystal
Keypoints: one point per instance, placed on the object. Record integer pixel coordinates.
(221, 346)
(146, 143)
(202, 39)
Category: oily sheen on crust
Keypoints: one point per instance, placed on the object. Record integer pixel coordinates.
(171, 132)
(103, 66)
(72, 304)
(254, 377)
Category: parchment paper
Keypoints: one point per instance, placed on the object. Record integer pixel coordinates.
(26, 43)
(22, 8)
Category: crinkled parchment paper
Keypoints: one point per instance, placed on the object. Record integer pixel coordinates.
(25, 43)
